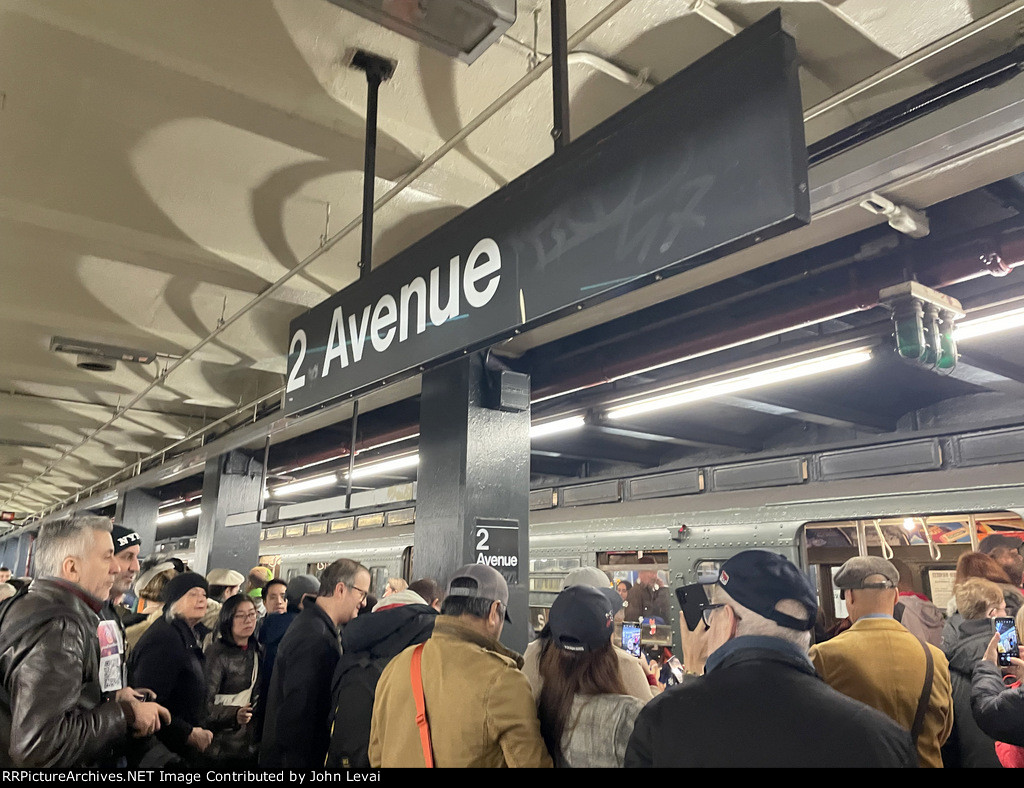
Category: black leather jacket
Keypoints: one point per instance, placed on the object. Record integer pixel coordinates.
(51, 710)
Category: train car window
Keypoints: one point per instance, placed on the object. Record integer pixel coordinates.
(407, 564)
(547, 574)
(378, 580)
(707, 571)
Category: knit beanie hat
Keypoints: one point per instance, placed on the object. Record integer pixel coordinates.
(180, 585)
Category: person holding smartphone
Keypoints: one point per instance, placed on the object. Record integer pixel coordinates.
(997, 710)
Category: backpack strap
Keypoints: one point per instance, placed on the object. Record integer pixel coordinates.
(926, 693)
(421, 707)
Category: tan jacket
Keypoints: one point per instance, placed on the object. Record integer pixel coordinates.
(879, 662)
(479, 705)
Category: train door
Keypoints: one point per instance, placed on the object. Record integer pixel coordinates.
(642, 578)
(697, 553)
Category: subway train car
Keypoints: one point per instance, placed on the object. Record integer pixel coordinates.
(927, 520)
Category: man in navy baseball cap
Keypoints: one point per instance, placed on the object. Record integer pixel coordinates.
(759, 702)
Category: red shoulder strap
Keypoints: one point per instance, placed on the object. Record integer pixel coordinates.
(421, 706)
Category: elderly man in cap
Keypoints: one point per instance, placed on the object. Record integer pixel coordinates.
(475, 705)
(759, 702)
(879, 662)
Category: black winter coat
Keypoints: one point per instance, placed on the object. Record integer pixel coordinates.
(967, 745)
(51, 712)
(998, 711)
(370, 642)
(764, 708)
(169, 660)
(296, 733)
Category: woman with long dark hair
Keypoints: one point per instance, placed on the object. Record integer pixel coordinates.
(585, 716)
(232, 670)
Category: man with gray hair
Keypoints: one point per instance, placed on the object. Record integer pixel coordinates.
(52, 674)
(759, 702)
(296, 734)
(880, 662)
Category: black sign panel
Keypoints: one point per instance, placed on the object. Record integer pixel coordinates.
(711, 160)
(496, 544)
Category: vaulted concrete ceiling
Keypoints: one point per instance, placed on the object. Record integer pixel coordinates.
(163, 164)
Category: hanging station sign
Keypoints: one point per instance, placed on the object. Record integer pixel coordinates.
(708, 162)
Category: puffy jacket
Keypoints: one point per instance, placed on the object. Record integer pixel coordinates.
(369, 643)
(51, 712)
(763, 707)
(296, 735)
(968, 746)
(229, 670)
(479, 704)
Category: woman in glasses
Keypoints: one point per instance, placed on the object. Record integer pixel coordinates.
(232, 669)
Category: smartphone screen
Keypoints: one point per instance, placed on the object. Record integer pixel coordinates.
(631, 639)
(1008, 643)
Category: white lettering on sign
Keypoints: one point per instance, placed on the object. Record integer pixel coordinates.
(498, 560)
(392, 317)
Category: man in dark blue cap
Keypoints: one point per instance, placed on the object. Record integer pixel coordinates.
(759, 702)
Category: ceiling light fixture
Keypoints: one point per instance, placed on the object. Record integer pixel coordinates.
(459, 28)
(171, 517)
(558, 425)
(990, 324)
(306, 484)
(386, 466)
(743, 382)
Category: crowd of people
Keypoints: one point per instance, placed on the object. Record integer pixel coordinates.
(232, 671)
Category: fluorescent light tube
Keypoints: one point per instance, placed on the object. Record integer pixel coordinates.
(982, 326)
(743, 382)
(386, 466)
(171, 517)
(306, 484)
(556, 426)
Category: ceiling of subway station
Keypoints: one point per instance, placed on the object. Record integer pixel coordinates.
(163, 164)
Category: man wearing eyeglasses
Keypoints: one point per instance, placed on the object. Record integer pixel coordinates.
(296, 733)
(759, 702)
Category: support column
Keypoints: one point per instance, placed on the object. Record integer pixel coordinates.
(24, 547)
(9, 553)
(232, 483)
(137, 510)
(473, 490)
